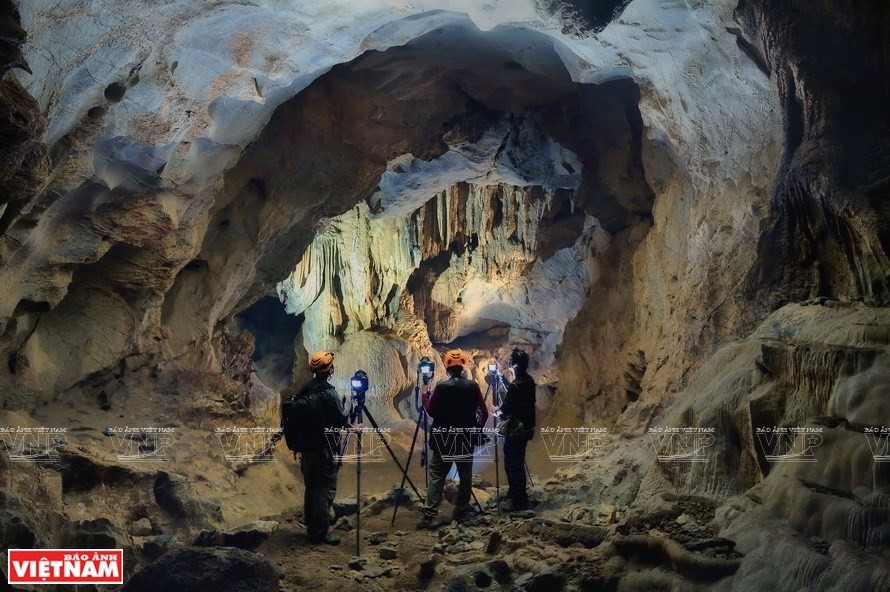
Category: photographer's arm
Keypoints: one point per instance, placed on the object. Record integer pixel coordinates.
(509, 404)
(425, 397)
(432, 403)
(338, 415)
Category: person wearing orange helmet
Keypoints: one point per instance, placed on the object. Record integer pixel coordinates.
(457, 407)
(321, 414)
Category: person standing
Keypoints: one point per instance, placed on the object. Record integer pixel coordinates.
(320, 417)
(518, 427)
(457, 409)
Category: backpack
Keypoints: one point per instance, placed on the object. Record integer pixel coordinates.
(297, 415)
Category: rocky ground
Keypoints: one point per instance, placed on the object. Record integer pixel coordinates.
(553, 550)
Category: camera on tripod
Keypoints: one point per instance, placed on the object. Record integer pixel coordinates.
(359, 382)
(426, 369)
(493, 373)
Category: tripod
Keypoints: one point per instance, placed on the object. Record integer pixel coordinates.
(422, 418)
(357, 413)
(494, 379)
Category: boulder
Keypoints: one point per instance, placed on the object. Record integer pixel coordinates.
(500, 569)
(141, 527)
(206, 570)
(344, 507)
(388, 553)
(607, 515)
(92, 534)
(482, 495)
(14, 532)
(155, 546)
(174, 494)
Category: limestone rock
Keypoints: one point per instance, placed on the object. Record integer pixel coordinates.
(500, 570)
(155, 546)
(388, 553)
(246, 536)
(141, 527)
(344, 507)
(206, 570)
(428, 568)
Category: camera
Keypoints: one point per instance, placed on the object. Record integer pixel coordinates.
(493, 375)
(426, 368)
(359, 382)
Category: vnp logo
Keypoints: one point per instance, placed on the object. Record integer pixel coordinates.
(879, 442)
(789, 444)
(458, 444)
(682, 445)
(254, 444)
(575, 444)
(149, 444)
(33, 444)
(368, 444)
(65, 566)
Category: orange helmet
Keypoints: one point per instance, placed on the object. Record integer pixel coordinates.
(321, 361)
(455, 357)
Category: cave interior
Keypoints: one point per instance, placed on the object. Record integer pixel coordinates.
(679, 210)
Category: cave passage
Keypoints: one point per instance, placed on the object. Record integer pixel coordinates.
(472, 226)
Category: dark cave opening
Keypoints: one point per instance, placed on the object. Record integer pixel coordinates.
(275, 333)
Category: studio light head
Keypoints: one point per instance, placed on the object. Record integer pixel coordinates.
(359, 382)
(493, 368)
(426, 368)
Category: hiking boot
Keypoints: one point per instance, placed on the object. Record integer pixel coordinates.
(427, 523)
(460, 517)
(328, 539)
(512, 506)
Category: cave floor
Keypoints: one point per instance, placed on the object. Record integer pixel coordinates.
(505, 547)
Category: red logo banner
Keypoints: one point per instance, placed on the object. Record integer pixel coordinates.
(65, 566)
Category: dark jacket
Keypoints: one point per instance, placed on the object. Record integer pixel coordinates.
(327, 412)
(519, 401)
(456, 404)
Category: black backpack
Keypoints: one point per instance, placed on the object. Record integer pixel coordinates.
(297, 415)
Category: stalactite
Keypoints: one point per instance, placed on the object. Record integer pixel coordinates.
(375, 257)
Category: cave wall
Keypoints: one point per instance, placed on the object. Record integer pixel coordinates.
(160, 125)
(827, 233)
(669, 298)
